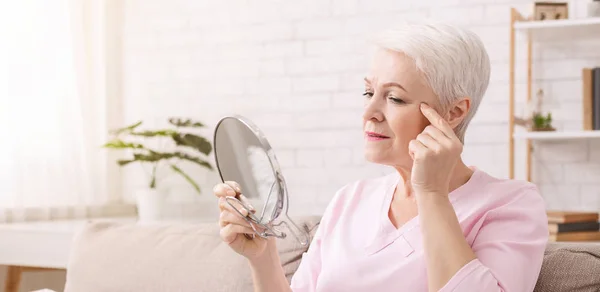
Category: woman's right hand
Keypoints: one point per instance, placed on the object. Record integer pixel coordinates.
(234, 227)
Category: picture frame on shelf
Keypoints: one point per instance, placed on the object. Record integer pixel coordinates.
(547, 10)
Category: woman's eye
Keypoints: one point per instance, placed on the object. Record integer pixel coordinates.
(396, 100)
(368, 94)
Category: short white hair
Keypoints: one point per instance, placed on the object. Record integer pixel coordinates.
(453, 61)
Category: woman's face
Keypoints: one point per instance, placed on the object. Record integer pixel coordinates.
(392, 118)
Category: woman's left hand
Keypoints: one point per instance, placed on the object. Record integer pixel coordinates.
(435, 153)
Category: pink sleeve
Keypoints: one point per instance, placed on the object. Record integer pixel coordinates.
(509, 246)
(305, 277)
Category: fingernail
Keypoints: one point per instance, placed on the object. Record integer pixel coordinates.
(237, 189)
(247, 202)
(252, 209)
(231, 193)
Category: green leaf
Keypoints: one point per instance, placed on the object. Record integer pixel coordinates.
(124, 162)
(152, 156)
(193, 159)
(185, 123)
(187, 177)
(120, 144)
(542, 122)
(161, 133)
(127, 128)
(190, 140)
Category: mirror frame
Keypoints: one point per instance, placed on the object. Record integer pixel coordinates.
(283, 198)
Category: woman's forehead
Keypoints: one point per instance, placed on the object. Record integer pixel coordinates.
(392, 67)
(406, 79)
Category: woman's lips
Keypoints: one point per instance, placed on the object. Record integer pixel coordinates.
(372, 136)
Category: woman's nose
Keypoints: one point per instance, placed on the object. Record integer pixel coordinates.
(372, 110)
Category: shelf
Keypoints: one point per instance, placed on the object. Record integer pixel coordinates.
(561, 23)
(557, 135)
(562, 35)
(560, 30)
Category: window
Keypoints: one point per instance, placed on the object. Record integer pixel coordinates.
(53, 109)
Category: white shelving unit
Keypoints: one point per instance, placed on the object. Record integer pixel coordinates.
(559, 29)
(558, 135)
(561, 23)
(554, 30)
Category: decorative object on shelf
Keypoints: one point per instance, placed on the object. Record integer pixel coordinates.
(591, 98)
(186, 147)
(546, 10)
(596, 97)
(565, 225)
(539, 121)
(542, 123)
(593, 8)
(534, 120)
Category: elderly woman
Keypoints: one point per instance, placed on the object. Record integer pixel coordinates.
(435, 224)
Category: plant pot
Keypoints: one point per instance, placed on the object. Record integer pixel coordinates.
(546, 129)
(149, 205)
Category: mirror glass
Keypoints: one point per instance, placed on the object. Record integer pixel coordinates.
(243, 155)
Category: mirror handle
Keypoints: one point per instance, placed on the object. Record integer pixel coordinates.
(301, 235)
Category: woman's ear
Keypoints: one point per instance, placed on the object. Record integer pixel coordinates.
(458, 112)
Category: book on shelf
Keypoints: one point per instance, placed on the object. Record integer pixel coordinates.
(575, 236)
(560, 216)
(591, 98)
(573, 226)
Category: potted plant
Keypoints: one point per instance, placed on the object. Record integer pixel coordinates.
(535, 120)
(187, 147)
(539, 122)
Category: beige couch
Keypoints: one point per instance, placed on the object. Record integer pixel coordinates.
(110, 257)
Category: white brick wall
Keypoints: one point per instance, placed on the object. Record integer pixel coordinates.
(295, 68)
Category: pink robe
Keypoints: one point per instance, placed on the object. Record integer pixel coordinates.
(356, 247)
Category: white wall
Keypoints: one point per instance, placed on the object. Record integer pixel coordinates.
(295, 68)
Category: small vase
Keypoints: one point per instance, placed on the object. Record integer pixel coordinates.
(149, 205)
(593, 8)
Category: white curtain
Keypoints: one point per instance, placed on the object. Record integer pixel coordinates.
(53, 109)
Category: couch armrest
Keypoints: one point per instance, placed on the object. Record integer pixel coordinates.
(110, 256)
(573, 267)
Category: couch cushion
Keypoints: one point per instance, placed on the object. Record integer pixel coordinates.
(573, 267)
(109, 256)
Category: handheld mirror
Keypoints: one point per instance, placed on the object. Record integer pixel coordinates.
(244, 155)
